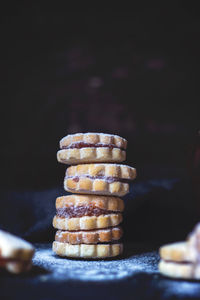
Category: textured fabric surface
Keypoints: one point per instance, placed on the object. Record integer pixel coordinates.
(133, 276)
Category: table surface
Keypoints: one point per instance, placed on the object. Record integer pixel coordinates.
(133, 276)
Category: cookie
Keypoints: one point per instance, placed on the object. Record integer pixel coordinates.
(89, 237)
(87, 251)
(90, 155)
(102, 179)
(87, 205)
(91, 147)
(177, 252)
(182, 259)
(102, 139)
(103, 202)
(179, 270)
(15, 253)
(87, 222)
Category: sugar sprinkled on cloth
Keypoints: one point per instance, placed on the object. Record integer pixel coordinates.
(90, 270)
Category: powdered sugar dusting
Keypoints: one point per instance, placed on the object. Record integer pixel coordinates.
(98, 133)
(63, 269)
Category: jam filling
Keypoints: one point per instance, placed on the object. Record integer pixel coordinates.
(180, 262)
(80, 211)
(107, 179)
(80, 145)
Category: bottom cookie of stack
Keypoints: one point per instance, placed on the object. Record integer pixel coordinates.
(87, 251)
(99, 243)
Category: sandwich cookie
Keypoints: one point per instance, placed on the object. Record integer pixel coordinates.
(87, 205)
(106, 235)
(99, 179)
(87, 251)
(87, 212)
(15, 253)
(91, 147)
(182, 260)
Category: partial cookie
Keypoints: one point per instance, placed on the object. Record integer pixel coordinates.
(15, 253)
(89, 237)
(87, 251)
(13, 247)
(179, 270)
(91, 147)
(87, 205)
(87, 223)
(193, 242)
(80, 140)
(177, 252)
(102, 179)
(111, 171)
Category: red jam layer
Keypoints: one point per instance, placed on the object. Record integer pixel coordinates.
(80, 211)
(80, 145)
(180, 262)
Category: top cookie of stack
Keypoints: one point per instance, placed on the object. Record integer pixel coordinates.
(91, 147)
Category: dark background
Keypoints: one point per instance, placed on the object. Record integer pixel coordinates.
(132, 72)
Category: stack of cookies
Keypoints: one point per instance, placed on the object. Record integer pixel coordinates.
(182, 259)
(87, 221)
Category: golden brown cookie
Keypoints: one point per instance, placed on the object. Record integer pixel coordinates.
(90, 155)
(87, 205)
(89, 237)
(176, 252)
(102, 179)
(87, 251)
(93, 138)
(87, 222)
(179, 270)
(91, 147)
